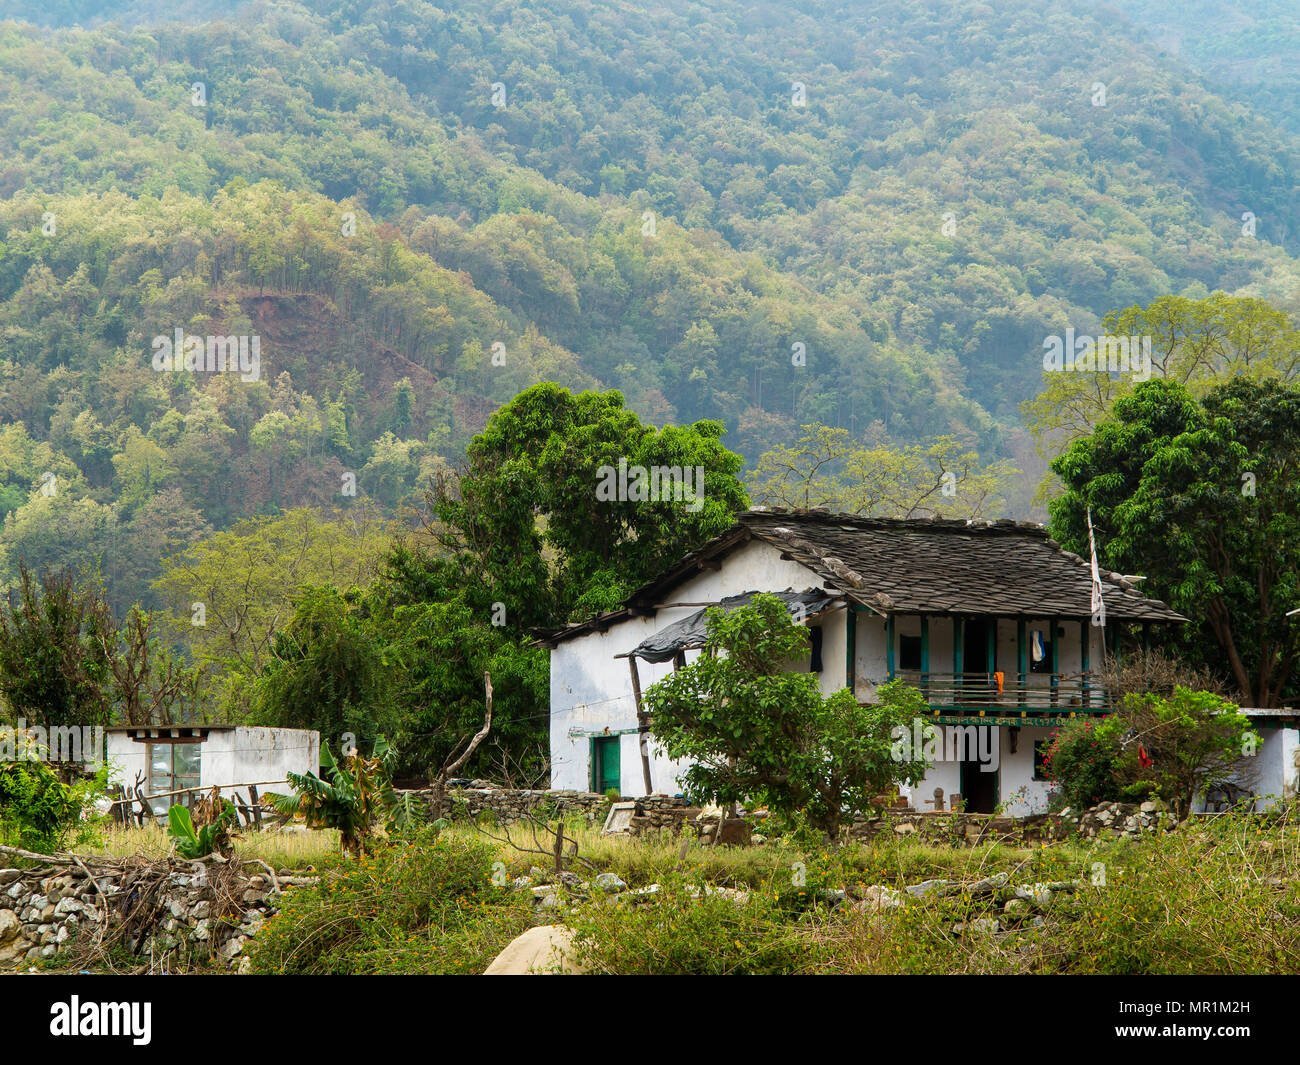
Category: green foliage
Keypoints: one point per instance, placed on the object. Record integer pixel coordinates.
(1192, 740)
(1080, 761)
(541, 457)
(327, 672)
(826, 467)
(53, 666)
(1202, 498)
(1174, 748)
(353, 800)
(38, 812)
(752, 728)
(1201, 344)
(425, 905)
(688, 928)
(208, 838)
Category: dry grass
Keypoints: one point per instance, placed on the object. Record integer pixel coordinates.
(281, 849)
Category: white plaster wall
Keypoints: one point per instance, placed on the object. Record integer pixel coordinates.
(872, 668)
(591, 690)
(229, 757)
(1271, 772)
(1016, 771)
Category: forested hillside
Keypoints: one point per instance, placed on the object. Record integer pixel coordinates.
(767, 214)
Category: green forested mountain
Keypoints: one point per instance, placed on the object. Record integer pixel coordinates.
(865, 216)
(1248, 51)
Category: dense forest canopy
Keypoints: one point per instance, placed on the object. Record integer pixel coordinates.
(844, 228)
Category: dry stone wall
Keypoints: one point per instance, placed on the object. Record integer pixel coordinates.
(43, 912)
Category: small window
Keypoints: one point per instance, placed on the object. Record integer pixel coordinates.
(173, 767)
(1041, 747)
(815, 638)
(909, 652)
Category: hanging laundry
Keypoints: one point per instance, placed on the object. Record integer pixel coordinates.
(1037, 646)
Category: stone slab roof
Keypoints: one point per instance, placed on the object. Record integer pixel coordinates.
(936, 566)
(912, 566)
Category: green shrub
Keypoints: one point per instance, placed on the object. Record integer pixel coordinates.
(194, 844)
(422, 905)
(38, 812)
(1081, 762)
(682, 931)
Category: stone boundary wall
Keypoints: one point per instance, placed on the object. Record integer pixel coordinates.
(668, 813)
(1118, 818)
(508, 805)
(41, 910)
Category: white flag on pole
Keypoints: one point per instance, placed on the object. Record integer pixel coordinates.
(1098, 605)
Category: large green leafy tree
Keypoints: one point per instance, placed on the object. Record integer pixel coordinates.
(753, 729)
(1203, 499)
(54, 667)
(407, 659)
(327, 671)
(525, 518)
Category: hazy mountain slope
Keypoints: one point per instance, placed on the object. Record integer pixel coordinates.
(654, 204)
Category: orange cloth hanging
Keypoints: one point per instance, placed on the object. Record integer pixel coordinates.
(997, 677)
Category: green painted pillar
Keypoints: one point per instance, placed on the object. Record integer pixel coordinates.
(1055, 644)
(1022, 661)
(889, 645)
(925, 651)
(958, 635)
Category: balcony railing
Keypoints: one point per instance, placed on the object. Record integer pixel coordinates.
(1010, 691)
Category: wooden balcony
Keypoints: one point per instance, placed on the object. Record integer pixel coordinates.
(1051, 696)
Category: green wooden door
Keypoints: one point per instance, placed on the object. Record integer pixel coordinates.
(605, 764)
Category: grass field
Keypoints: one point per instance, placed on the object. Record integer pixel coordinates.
(1215, 896)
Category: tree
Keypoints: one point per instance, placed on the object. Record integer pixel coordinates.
(327, 672)
(752, 729)
(229, 594)
(825, 467)
(1202, 498)
(1196, 343)
(54, 669)
(525, 518)
(354, 799)
(1179, 747)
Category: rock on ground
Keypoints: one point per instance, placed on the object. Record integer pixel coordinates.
(542, 951)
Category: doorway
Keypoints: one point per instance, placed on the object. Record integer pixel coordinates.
(975, 646)
(979, 790)
(605, 759)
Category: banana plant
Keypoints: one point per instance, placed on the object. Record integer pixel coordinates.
(353, 800)
(193, 844)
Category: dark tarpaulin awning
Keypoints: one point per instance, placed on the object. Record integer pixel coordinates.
(690, 632)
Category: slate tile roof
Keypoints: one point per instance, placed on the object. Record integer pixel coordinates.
(913, 565)
(938, 566)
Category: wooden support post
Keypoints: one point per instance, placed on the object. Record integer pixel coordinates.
(257, 805)
(1022, 662)
(1085, 659)
(925, 653)
(642, 725)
